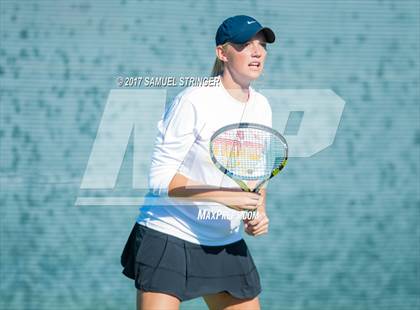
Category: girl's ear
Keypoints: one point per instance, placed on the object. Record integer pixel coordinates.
(221, 53)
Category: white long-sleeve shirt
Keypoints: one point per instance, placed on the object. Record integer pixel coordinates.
(182, 146)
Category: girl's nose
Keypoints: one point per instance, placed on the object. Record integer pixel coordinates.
(256, 49)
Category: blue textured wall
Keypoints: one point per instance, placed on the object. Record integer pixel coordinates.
(344, 223)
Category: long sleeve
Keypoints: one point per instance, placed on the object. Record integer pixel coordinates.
(176, 135)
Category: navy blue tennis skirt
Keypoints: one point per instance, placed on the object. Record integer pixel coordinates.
(158, 262)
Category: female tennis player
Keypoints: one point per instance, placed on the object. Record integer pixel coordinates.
(189, 244)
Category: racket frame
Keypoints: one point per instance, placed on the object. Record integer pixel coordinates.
(240, 182)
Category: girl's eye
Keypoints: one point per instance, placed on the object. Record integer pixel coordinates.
(241, 47)
(245, 45)
(262, 44)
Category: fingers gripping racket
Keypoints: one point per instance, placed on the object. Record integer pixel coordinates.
(249, 154)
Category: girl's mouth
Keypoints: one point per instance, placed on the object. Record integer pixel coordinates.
(254, 64)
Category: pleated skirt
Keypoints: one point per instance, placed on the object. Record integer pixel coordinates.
(158, 262)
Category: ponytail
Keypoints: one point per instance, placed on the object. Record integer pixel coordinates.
(217, 67)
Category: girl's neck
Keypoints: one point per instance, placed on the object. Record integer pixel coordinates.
(239, 91)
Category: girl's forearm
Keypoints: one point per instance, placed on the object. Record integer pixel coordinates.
(182, 187)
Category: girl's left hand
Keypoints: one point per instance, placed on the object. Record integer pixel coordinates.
(257, 226)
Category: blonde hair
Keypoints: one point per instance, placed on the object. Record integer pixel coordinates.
(219, 65)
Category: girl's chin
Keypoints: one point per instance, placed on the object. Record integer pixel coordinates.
(248, 75)
(254, 74)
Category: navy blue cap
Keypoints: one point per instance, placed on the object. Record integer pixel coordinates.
(239, 29)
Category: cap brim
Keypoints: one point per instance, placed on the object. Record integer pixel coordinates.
(243, 37)
(270, 37)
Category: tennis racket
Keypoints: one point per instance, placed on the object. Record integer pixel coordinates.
(250, 154)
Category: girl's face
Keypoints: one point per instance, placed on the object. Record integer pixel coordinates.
(246, 61)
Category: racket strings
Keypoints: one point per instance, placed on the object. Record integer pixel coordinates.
(248, 153)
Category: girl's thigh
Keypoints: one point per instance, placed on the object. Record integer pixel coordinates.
(156, 301)
(225, 301)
